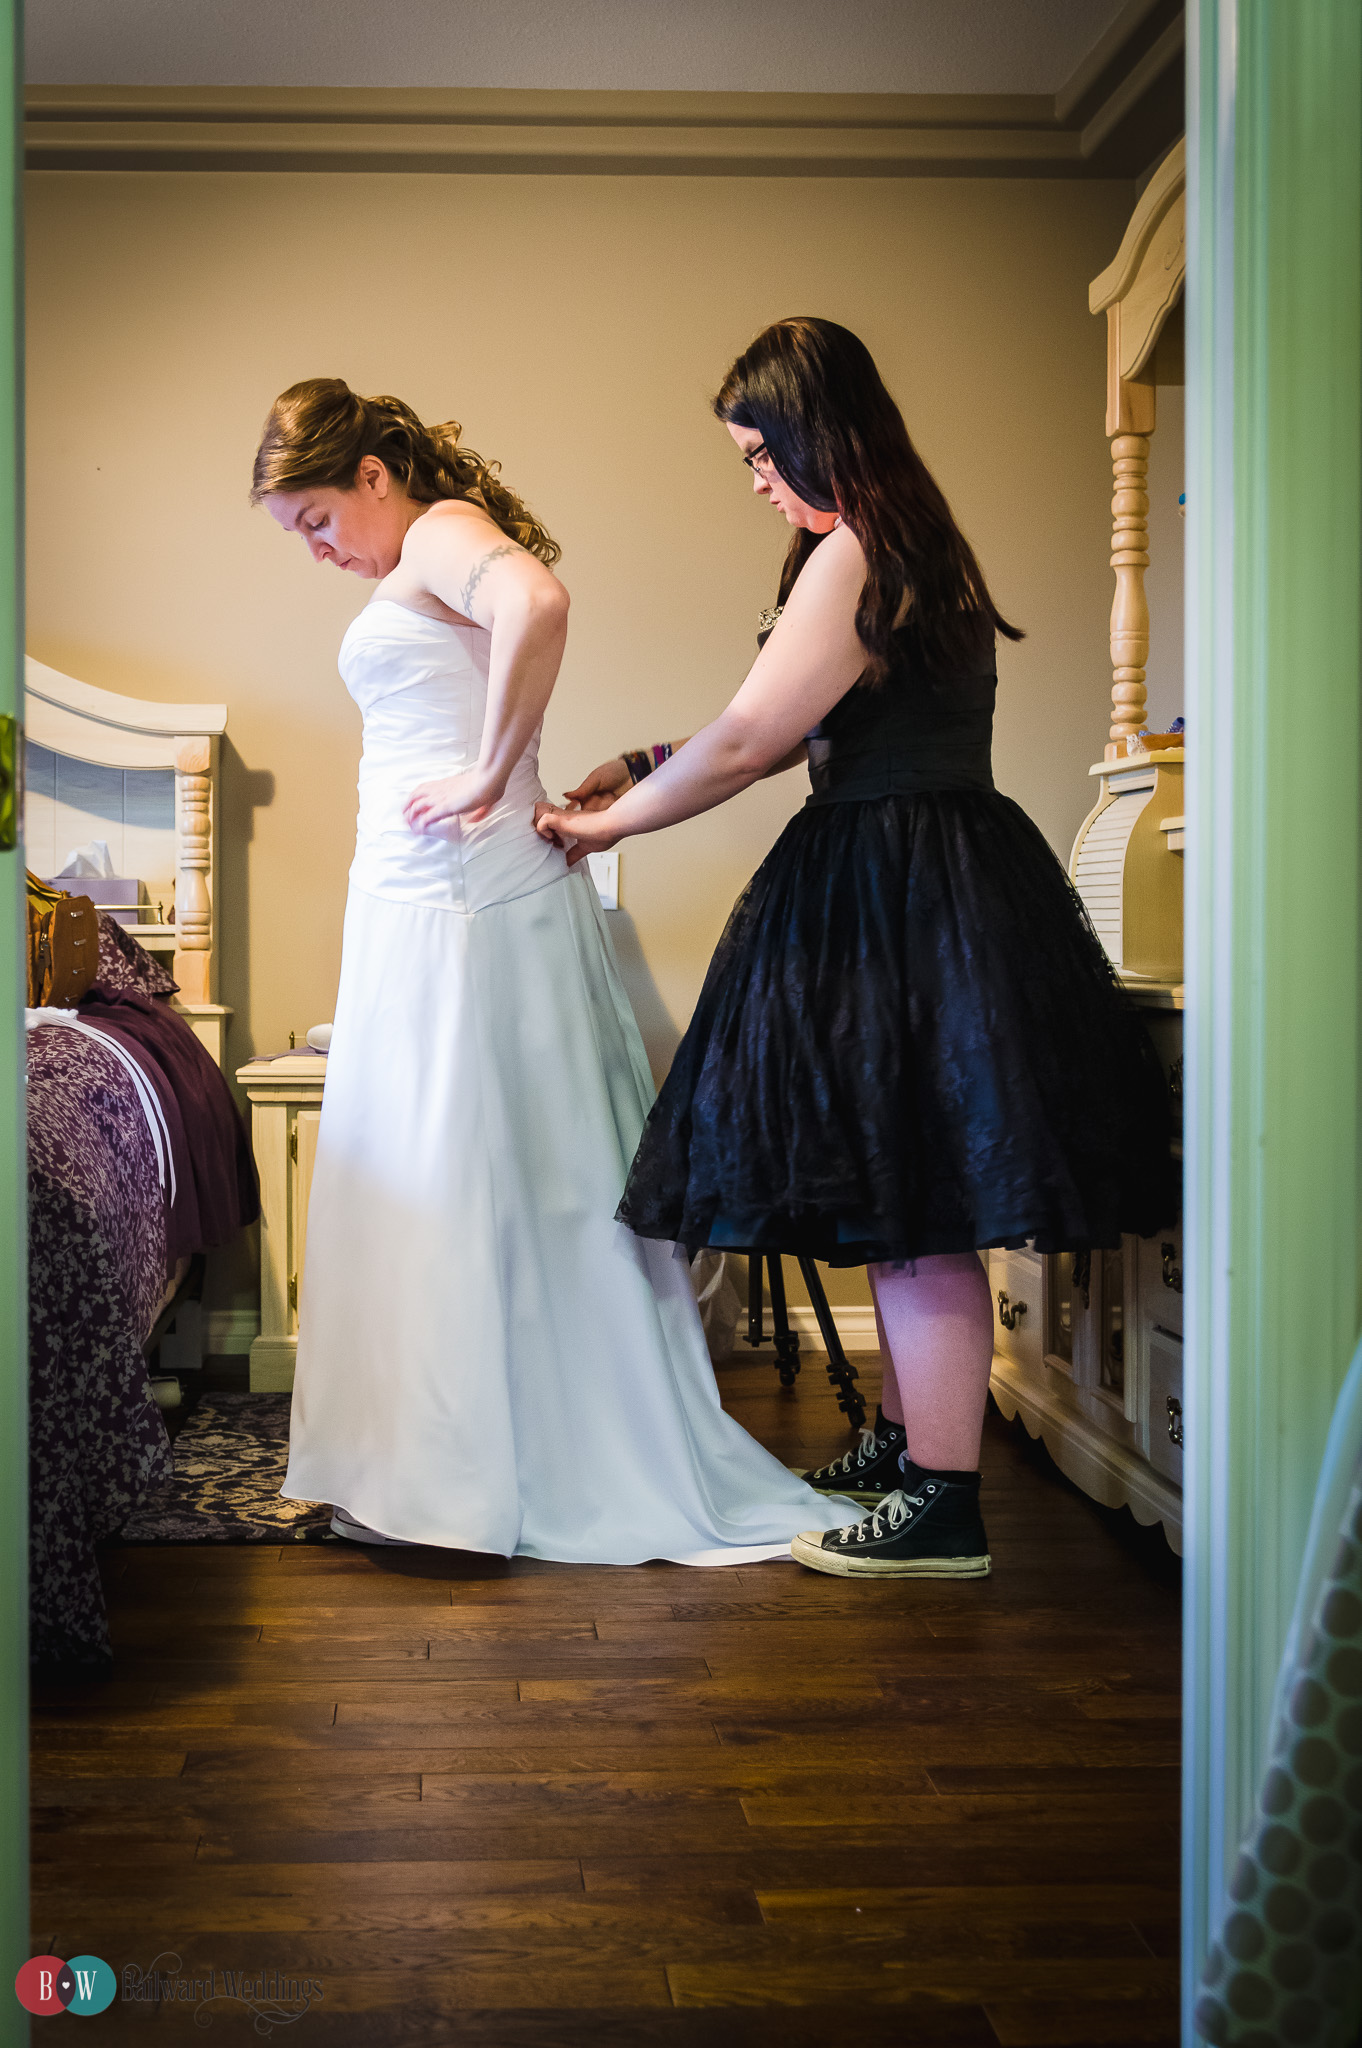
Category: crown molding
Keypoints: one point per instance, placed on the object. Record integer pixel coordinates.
(1101, 132)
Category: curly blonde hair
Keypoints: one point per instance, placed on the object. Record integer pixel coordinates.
(318, 432)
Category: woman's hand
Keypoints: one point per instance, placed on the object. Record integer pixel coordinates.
(598, 790)
(435, 808)
(578, 831)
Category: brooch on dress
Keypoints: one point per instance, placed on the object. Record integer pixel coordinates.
(767, 619)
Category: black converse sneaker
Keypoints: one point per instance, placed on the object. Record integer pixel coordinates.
(870, 1472)
(930, 1529)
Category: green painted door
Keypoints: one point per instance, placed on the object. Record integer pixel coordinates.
(1274, 486)
(13, 1231)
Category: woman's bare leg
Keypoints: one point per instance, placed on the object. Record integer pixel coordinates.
(891, 1405)
(935, 1318)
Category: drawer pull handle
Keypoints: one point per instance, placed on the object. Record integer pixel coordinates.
(1010, 1312)
(1174, 1408)
(1172, 1275)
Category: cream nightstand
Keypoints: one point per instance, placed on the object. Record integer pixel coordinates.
(286, 1109)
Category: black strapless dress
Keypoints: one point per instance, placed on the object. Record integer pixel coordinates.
(910, 1039)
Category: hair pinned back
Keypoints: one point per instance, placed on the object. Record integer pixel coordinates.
(318, 432)
(811, 390)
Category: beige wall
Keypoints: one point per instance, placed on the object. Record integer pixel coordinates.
(577, 327)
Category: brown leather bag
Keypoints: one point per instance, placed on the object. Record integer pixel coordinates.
(63, 946)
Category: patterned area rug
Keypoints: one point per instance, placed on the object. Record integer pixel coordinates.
(230, 1460)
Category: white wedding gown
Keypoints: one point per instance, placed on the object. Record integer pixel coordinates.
(487, 1360)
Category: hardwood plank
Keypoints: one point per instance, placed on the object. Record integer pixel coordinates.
(287, 1664)
(1112, 1773)
(553, 1983)
(902, 1904)
(437, 1691)
(327, 1837)
(369, 1728)
(60, 1765)
(756, 1605)
(400, 1882)
(411, 2021)
(144, 1629)
(375, 1790)
(709, 1690)
(53, 1853)
(1051, 2023)
(190, 1561)
(686, 1764)
(631, 1722)
(895, 1979)
(274, 1903)
(790, 1860)
(932, 1744)
(1124, 1706)
(995, 1812)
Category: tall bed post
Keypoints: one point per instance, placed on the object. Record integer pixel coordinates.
(195, 954)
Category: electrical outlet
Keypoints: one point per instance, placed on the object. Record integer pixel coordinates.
(605, 873)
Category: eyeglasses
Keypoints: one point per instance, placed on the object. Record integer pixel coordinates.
(761, 462)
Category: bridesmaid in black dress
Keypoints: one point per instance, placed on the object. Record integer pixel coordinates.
(910, 1045)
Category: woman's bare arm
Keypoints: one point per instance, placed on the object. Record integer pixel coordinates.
(465, 561)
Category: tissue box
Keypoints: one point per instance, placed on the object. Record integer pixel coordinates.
(117, 894)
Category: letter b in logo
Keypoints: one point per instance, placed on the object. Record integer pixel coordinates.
(36, 1985)
(46, 1985)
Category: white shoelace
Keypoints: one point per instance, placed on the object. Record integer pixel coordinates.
(895, 1509)
(867, 1450)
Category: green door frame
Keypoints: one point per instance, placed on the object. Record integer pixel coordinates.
(13, 1220)
(1274, 639)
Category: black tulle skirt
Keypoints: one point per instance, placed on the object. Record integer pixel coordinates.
(909, 1041)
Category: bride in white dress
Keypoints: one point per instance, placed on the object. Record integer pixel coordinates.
(486, 1359)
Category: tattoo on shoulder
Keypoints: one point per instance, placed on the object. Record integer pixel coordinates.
(477, 573)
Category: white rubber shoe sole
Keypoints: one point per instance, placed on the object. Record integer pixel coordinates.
(359, 1532)
(808, 1549)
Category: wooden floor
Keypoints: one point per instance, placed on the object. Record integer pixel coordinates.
(547, 1805)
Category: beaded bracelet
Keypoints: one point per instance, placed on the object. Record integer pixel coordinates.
(642, 760)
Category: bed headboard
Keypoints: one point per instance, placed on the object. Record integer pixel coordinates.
(144, 777)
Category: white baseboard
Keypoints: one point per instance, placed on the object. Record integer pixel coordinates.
(272, 1363)
(854, 1323)
(230, 1332)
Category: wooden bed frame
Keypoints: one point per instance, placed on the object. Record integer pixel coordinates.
(78, 722)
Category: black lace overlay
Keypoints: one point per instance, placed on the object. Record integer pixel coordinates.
(909, 1041)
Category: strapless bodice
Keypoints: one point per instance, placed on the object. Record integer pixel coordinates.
(421, 686)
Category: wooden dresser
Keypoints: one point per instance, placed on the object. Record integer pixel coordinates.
(286, 1107)
(1088, 1350)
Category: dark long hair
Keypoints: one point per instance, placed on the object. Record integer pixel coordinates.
(813, 393)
